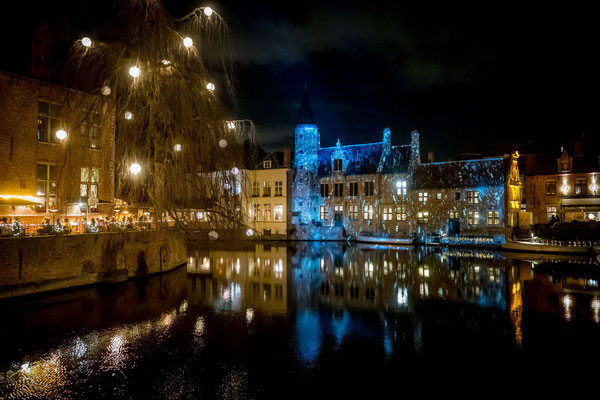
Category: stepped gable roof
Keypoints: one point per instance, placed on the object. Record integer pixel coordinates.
(467, 173)
(358, 159)
(397, 161)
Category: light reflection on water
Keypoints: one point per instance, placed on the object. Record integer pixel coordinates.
(217, 328)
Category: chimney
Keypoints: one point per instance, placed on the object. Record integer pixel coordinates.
(287, 159)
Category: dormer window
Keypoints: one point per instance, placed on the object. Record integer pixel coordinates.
(337, 164)
(267, 164)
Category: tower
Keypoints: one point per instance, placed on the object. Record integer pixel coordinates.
(305, 162)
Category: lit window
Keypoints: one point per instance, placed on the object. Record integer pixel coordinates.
(401, 188)
(278, 212)
(266, 189)
(46, 186)
(581, 186)
(493, 218)
(323, 213)
(472, 196)
(48, 121)
(278, 188)
(423, 197)
(473, 218)
(368, 212)
(256, 214)
(401, 213)
(338, 209)
(353, 212)
(255, 189)
(387, 213)
(89, 182)
(453, 214)
(550, 212)
(423, 217)
(267, 213)
(369, 188)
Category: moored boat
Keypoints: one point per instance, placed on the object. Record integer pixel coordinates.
(573, 247)
(366, 237)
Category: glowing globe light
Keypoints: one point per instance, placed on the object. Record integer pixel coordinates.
(249, 232)
(61, 134)
(167, 62)
(134, 71)
(86, 41)
(230, 125)
(128, 115)
(223, 143)
(188, 42)
(135, 168)
(210, 86)
(208, 11)
(212, 235)
(235, 170)
(177, 147)
(105, 90)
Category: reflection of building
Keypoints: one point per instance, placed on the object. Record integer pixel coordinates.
(236, 280)
(565, 187)
(42, 172)
(378, 187)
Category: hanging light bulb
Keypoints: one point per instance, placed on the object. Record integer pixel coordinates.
(177, 147)
(134, 71)
(208, 11)
(230, 125)
(61, 134)
(235, 170)
(210, 86)
(135, 168)
(188, 42)
(128, 115)
(249, 232)
(86, 41)
(223, 143)
(105, 90)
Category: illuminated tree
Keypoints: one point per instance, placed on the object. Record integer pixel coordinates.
(175, 148)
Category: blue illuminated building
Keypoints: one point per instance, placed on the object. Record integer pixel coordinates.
(388, 190)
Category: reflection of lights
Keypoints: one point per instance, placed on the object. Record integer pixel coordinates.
(402, 297)
(167, 319)
(183, 307)
(596, 309)
(116, 344)
(226, 294)
(79, 348)
(568, 303)
(199, 326)
(279, 269)
(249, 315)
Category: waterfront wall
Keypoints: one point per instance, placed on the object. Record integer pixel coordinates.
(43, 263)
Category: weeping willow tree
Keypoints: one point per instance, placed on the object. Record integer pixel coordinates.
(171, 125)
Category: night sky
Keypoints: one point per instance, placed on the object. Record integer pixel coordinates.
(489, 78)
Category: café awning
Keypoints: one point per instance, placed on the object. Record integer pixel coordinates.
(582, 202)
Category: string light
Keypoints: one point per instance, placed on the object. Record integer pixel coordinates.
(230, 125)
(188, 42)
(128, 115)
(177, 147)
(105, 90)
(86, 41)
(135, 168)
(208, 11)
(134, 71)
(61, 134)
(210, 86)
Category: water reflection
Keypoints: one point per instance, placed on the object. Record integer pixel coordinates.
(233, 316)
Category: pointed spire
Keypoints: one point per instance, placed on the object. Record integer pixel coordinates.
(306, 115)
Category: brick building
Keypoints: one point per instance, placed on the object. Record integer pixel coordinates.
(56, 151)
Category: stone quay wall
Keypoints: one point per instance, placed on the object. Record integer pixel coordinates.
(44, 263)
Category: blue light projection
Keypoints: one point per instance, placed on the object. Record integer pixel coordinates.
(308, 336)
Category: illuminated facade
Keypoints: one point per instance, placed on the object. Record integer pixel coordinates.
(566, 188)
(45, 172)
(380, 188)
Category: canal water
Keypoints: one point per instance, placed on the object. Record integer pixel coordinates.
(254, 321)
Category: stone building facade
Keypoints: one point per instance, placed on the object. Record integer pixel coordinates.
(381, 188)
(57, 150)
(563, 187)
